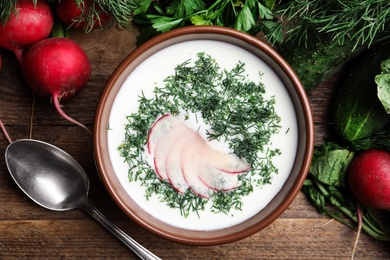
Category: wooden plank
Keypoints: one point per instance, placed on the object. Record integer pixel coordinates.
(284, 239)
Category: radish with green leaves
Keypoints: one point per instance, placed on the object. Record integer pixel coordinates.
(57, 68)
(369, 178)
(26, 26)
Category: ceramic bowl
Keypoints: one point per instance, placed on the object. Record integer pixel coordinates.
(147, 66)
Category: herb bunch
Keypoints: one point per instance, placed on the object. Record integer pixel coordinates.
(361, 21)
(237, 112)
(251, 16)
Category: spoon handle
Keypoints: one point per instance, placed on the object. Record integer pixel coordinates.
(138, 249)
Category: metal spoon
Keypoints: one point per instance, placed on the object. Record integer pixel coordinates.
(55, 180)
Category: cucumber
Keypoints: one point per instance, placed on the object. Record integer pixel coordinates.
(358, 112)
(316, 60)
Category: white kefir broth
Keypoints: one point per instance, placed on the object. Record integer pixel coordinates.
(151, 73)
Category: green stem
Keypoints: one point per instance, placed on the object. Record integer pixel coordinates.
(335, 202)
(59, 29)
(206, 11)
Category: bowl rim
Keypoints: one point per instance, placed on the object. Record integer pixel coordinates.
(198, 237)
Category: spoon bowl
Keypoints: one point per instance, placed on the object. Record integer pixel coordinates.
(40, 181)
(55, 180)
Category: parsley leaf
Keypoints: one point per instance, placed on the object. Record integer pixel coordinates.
(163, 23)
(184, 8)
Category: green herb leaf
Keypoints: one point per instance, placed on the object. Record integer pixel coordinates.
(272, 30)
(143, 7)
(163, 23)
(270, 4)
(383, 82)
(265, 12)
(184, 8)
(200, 20)
(245, 19)
(331, 167)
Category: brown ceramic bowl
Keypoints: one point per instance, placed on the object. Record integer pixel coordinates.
(106, 119)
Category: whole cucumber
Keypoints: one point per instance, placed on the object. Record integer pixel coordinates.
(318, 59)
(358, 111)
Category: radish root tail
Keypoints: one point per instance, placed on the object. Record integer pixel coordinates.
(360, 223)
(5, 132)
(57, 105)
(19, 56)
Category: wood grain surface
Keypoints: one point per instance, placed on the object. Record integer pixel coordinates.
(28, 231)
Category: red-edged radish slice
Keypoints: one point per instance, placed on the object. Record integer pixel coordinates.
(218, 180)
(165, 144)
(191, 168)
(159, 128)
(173, 163)
(203, 156)
(229, 163)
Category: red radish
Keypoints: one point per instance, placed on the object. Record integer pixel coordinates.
(369, 178)
(57, 68)
(26, 26)
(75, 15)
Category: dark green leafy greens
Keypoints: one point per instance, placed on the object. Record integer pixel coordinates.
(237, 112)
(250, 16)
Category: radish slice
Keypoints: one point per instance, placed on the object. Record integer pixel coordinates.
(165, 143)
(218, 180)
(229, 163)
(160, 127)
(173, 162)
(183, 158)
(198, 156)
(191, 168)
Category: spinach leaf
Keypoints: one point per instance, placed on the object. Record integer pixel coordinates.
(383, 82)
(331, 168)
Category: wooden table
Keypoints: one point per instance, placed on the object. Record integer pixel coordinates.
(28, 231)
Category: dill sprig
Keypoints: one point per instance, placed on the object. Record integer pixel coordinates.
(237, 112)
(359, 20)
(7, 8)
